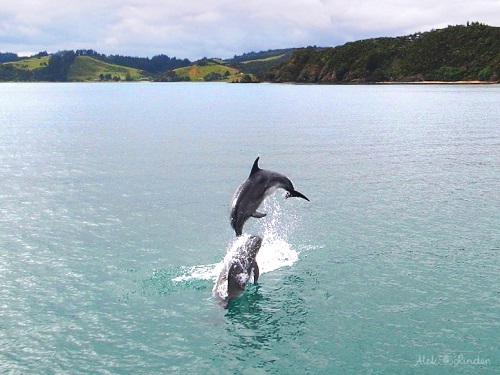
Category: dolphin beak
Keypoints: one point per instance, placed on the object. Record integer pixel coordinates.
(296, 194)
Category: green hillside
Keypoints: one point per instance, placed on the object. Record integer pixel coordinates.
(67, 67)
(241, 68)
(260, 62)
(208, 70)
(24, 70)
(86, 68)
(30, 63)
(455, 53)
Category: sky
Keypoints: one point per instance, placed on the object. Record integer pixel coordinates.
(221, 28)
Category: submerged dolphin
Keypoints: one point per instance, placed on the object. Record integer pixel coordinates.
(248, 197)
(236, 272)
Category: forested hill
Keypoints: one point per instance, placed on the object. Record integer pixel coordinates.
(260, 62)
(84, 65)
(89, 65)
(470, 52)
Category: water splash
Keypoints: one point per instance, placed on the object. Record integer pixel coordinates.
(276, 252)
(202, 272)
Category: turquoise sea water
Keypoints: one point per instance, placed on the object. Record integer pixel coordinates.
(114, 218)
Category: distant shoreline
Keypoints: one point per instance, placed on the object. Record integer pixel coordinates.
(388, 83)
(290, 82)
(441, 83)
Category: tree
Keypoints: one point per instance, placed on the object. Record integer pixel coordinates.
(447, 73)
(8, 56)
(485, 74)
(246, 79)
(214, 76)
(57, 68)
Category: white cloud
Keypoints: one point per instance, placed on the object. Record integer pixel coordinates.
(220, 28)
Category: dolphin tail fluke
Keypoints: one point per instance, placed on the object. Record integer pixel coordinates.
(296, 194)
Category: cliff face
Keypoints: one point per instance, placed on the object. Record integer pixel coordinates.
(469, 52)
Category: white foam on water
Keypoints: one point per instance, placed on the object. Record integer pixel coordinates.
(203, 272)
(212, 271)
(274, 253)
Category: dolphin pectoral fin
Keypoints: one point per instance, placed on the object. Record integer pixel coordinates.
(258, 215)
(256, 272)
(296, 194)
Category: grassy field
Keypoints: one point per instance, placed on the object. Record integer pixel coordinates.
(86, 68)
(198, 72)
(31, 63)
(263, 60)
(89, 69)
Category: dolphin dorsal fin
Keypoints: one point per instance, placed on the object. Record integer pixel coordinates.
(255, 167)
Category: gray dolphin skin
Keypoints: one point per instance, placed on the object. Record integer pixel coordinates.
(250, 194)
(236, 272)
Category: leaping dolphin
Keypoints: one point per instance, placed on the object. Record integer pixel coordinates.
(236, 272)
(250, 194)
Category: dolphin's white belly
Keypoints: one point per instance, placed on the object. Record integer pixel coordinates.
(267, 193)
(270, 191)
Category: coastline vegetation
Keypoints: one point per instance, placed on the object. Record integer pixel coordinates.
(86, 68)
(207, 70)
(468, 52)
(456, 53)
